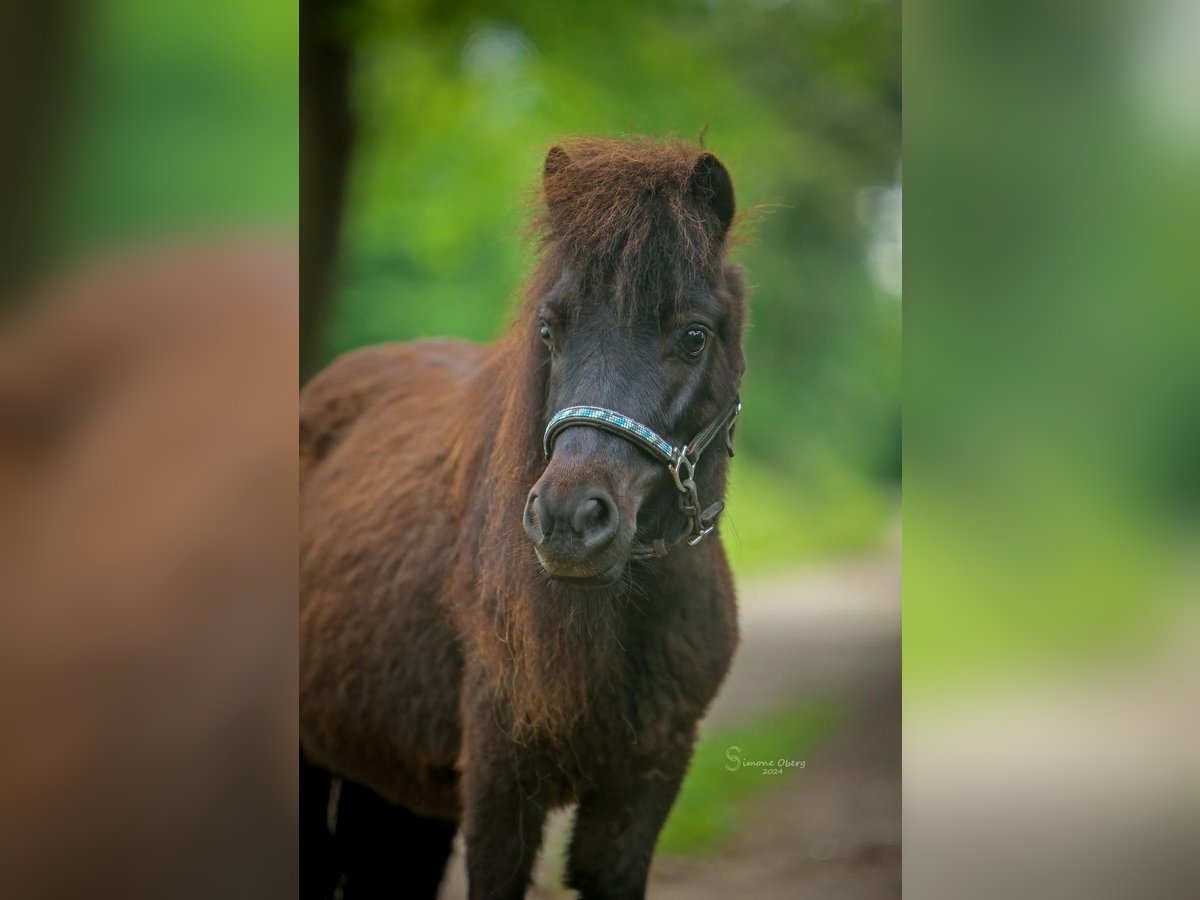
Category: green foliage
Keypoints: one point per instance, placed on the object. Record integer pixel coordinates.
(184, 118)
(1051, 486)
(457, 105)
(774, 518)
(714, 800)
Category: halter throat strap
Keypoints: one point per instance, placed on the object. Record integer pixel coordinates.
(681, 462)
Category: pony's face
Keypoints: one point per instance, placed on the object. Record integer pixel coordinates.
(673, 365)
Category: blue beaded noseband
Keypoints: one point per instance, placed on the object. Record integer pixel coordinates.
(681, 462)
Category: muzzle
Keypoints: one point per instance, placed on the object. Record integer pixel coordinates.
(681, 462)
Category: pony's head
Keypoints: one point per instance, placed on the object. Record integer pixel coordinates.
(637, 310)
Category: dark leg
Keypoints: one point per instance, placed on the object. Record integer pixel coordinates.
(320, 866)
(616, 828)
(388, 850)
(506, 789)
(504, 834)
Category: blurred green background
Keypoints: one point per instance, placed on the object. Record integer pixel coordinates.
(179, 120)
(456, 105)
(1052, 370)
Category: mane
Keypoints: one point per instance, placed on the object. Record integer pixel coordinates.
(622, 214)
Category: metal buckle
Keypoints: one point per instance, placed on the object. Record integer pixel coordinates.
(682, 481)
(701, 534)
(682, 470)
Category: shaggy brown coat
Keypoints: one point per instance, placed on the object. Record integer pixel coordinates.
(444, 676)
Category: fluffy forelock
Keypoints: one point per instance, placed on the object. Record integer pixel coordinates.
(621, 215)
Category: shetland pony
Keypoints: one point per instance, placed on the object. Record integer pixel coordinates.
(497, 621)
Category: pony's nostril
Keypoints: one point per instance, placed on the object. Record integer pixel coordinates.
(570, 527)
(587, 514)
(535, 514)
(595, 520)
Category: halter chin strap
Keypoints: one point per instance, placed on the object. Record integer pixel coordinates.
(680, 461)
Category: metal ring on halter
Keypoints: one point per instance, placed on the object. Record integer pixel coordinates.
(676, 468)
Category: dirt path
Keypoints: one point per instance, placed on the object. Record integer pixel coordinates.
(832, 830)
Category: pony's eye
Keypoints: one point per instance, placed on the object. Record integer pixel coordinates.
(547, 334)
(693, 341)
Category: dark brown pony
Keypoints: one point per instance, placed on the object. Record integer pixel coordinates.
(479, 641)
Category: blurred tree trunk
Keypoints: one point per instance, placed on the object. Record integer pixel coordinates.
(38, 49)
(326, 145)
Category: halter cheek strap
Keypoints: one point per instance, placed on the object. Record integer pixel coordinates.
(680, 461)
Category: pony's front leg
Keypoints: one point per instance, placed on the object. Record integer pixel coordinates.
(503, 813)
(617, 826)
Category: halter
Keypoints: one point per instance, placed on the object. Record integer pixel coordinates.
(681, 462)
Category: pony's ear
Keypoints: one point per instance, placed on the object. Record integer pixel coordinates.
(556, 160)
(712, 187)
